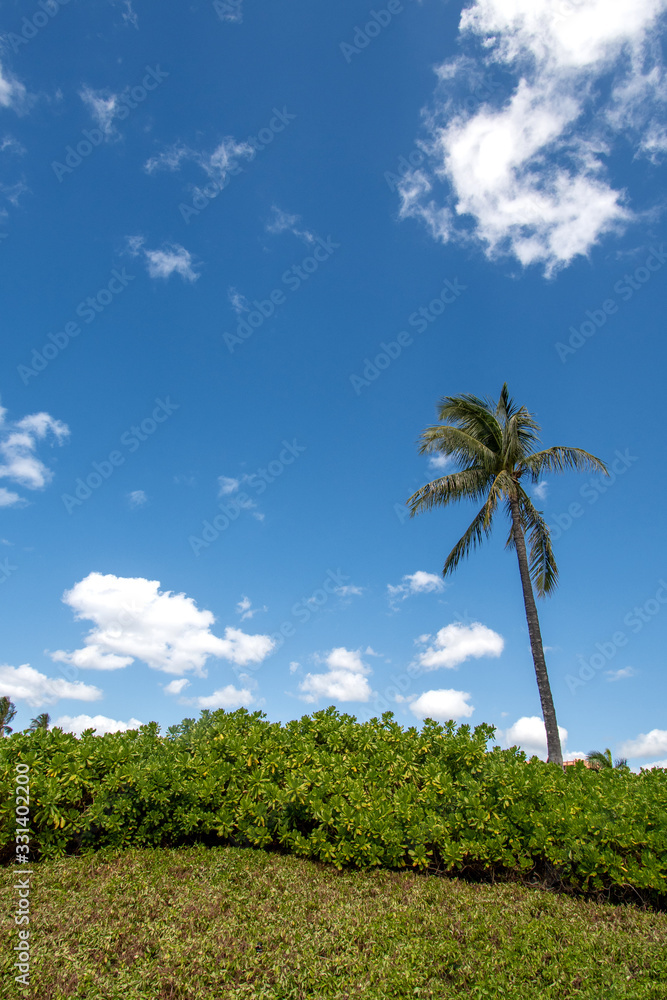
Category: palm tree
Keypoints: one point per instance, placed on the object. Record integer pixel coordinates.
(41, 721)
(492, 445)
(601, 760)
(7, 713)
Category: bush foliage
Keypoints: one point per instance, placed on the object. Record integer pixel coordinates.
(351, 794)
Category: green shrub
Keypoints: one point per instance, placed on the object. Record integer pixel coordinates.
(361, 795)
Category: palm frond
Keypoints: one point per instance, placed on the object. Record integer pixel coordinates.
(462, 445)
(476, 533)
(558, 459)
(470, 484)
(473, 415)
(542, 561)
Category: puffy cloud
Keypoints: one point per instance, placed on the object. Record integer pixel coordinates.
(169, 259)
(656, 763)
(345, 679)
(456, 643)
(646, 745)
(440, 462)
(530, 734)
(529, 171)
(229, 698)
(415, 583)
(541, 490)
(134, 620)
(24, 683)
(78, 724)
(18, 461)
(442, 705)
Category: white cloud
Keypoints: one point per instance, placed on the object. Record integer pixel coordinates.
(128, 13)
(103, 106)
(415, 583)
(541, 490)
(27, 684)
(18, 461)
(230, 10)
(229, 698)
(345, 679)
(100, 723)
(529, 733)
(646, 744)
(177, 687)
(440, 462)
(442, 705)
(137, 498)
(8, 144)
(456, 643)
(12, 93)
(246, 610)
(238, 302)
(227, 485)
(134, 620)
(216, 165)
(530, 173)
(283, 222)
(294, 666)
(622, 674)
(656, 763)
(348, 590)
(169, 259)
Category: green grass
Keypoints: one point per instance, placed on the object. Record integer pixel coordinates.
(227, 922)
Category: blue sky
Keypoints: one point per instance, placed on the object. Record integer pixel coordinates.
(244, 253)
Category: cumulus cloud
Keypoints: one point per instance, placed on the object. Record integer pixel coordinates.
(344, 680)
(541, 490)
(135, 620)
(78, 724)
(656, 763)
(530, 734)
(169, 259)
(415, 583)
(442, 705)
(229, 698)
(24, 683)
(439, 462)
(646, 744)
(528, 170)
(177, 687)
(456, 643)
(18, 444)
(283, 222)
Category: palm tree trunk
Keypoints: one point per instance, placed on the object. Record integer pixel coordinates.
(555, 754)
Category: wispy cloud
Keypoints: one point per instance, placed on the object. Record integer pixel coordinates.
(245, 609)
(137, 498)
(217, 165)
(621, 675)
(238, 302)
(103, 106)
(12, 92)
(283, 222)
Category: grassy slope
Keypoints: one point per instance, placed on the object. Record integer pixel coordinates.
(226, 922)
